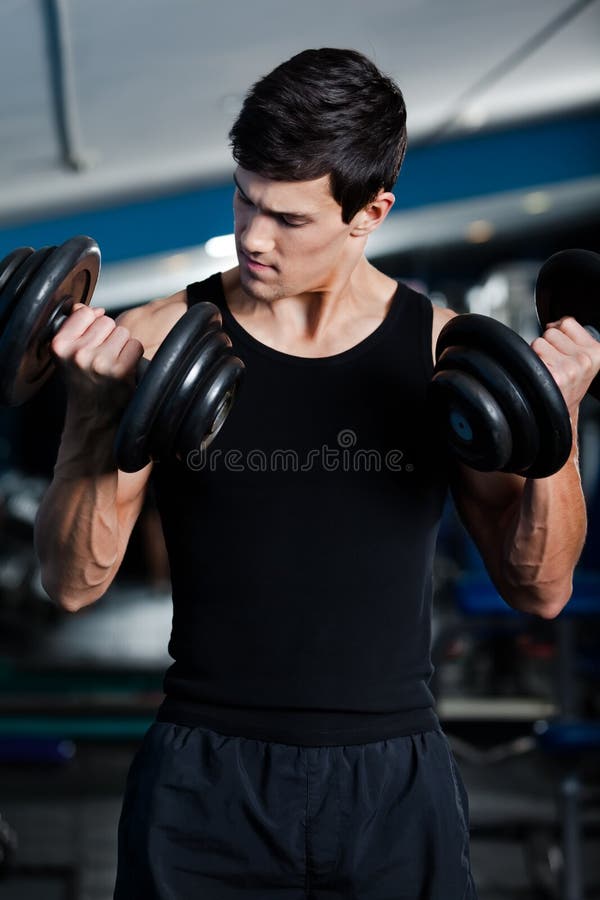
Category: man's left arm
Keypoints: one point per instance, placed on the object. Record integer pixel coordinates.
(530, 532)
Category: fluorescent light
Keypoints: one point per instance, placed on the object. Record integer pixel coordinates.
(220, 246)
(537, 202)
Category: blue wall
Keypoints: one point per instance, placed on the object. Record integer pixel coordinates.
(488, 163)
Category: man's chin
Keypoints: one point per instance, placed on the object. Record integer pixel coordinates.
(256, 288)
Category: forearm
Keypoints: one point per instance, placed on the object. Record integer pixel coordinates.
(544, 540)
(77, 528)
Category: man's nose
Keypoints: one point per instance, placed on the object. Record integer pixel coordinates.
(257, 234)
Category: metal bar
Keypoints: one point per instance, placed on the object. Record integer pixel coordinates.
(504, 67)
(62, 82)
(572, 837)
(568, 693)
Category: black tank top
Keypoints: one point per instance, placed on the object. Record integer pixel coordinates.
(301, 543)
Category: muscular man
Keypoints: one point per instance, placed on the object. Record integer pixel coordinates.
(297, 753)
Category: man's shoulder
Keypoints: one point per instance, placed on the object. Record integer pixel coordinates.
(151, 322)
(441, 315)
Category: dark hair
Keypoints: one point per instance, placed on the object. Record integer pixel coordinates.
(327, 111)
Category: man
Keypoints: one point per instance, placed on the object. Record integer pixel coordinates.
(297, 753)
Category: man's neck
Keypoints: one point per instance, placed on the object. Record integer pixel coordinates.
(315, 323)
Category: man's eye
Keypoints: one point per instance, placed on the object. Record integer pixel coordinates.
(291, 224)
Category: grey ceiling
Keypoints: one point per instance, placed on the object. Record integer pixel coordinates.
(157, 82)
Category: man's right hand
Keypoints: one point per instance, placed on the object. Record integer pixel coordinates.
(98, 359)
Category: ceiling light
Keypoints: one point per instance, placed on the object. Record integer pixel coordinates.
(220, 246)
(479, 231)
(537, 202)
(474, 116)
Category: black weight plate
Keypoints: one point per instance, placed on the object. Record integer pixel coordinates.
(470, 420)
(210, 406)
(19, 282)
(134, 436)
(524, 430)
(11, 263)
(68, 276)
(568, 284)
(193, 372)
(533, 378)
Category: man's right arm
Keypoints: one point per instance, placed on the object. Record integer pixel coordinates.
(87, 515)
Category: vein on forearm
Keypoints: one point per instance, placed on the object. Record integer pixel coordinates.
(86, 535)
(77, 527)
(547, 530)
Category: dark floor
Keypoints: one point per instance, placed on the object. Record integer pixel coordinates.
(65, 816)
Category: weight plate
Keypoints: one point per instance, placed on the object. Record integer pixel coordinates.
(171, 363)
(211, 405)
(211, 350)
(533, 378)
(470, 420)
(524, 430)
(11, 263)
(568, 284)
(66, 277)
(19, 281)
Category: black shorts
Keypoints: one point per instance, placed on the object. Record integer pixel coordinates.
(210, 817)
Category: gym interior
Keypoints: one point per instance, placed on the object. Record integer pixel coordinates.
(114, 121)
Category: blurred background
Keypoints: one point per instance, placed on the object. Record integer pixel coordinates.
(113, 123)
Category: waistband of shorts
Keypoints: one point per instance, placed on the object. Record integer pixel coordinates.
(305, 728)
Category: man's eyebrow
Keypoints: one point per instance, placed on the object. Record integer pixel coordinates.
(273, 212)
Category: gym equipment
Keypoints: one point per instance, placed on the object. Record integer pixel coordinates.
(561, 734)
(183, 395)
(37, 288)
(495, 400)
(501, 408)
(8, 847)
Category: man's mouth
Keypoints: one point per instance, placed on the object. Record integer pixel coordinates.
(253, 264)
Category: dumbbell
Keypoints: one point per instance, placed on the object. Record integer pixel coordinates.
(495, 401)
(183, 395)
(568, 284)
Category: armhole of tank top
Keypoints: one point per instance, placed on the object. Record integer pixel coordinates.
(426, 317)
(199, 291)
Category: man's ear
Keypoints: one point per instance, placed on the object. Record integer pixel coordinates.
(372, 215)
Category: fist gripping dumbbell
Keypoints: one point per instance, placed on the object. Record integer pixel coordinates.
(183, 395)
(495, 402)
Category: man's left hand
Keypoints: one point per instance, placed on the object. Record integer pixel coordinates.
(573, 357)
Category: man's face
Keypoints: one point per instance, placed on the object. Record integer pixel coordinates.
(290, 237)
